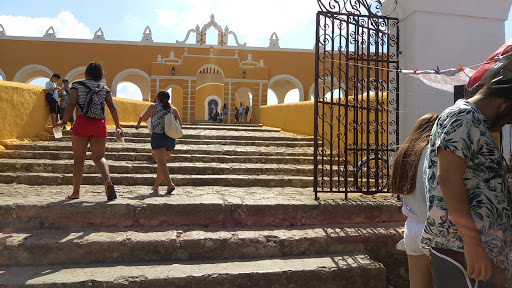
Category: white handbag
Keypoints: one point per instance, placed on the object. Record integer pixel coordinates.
(149, 125)
(172, 126)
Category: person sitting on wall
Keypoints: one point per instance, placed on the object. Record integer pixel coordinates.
(52, 97)
(216, 117)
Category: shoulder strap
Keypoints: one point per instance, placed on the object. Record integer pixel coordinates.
(83, 84)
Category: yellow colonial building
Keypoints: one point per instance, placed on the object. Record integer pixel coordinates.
(201, 75)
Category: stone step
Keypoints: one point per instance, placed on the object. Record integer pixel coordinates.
(43, 206)
(215, 135)
(243, 180)
(335, 270)
(176, 157)
(182, 141)
(227, 150)
(221, 127)
(141, 168)
(111, 245)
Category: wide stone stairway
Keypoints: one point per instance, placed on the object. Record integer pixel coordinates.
(243, 215)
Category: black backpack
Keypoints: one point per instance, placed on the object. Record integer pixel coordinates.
(94, 104)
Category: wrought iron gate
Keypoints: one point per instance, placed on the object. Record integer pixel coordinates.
(356, 97)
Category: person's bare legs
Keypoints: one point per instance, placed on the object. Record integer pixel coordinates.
(98, 157)
(161, 161)
(159, 176)
(79, 145)
(54, 118)
(420, 271)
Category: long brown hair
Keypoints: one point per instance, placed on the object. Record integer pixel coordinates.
(407, 159)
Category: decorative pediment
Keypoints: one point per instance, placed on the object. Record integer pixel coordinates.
(50, 33)
(147, 36)
(99, 35)
(222, 35)
(2, 30)
(274, 41)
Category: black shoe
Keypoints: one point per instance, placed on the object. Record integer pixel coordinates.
(111, 193)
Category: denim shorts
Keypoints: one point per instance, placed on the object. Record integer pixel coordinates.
(161, 140)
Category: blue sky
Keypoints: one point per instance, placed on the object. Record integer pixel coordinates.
(169, 20)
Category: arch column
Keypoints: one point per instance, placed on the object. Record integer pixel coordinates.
(468, 41)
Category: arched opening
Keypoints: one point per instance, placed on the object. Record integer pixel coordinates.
(40, 81)
(137, 77)
(281, 85)
(32, 72)
(271, 97)
(338, 92)
(212, 104)
(176, 100)
(128, 90)
(212, 37)
(76, 74)
(292, 96)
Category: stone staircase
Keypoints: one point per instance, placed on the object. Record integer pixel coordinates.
(243, 215)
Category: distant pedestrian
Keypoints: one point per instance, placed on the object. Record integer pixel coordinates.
(161, 144)
(65, 92)
(236, 115)
(241, 112)
(90, 127)
(246, 113)
(52, 97)
(224, 110)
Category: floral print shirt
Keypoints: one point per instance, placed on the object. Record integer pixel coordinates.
(462, 129)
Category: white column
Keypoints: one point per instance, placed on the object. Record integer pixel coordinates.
(229, 104)
(442, 33)
(189, 96)
(261, 91)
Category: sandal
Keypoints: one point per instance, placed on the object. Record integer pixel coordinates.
(169, 192)
(111, 193)
(71, 197)
(154, 193)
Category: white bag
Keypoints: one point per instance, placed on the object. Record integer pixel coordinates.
(149, 125)
(172, 126)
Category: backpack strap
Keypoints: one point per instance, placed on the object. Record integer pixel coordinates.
(82, 83)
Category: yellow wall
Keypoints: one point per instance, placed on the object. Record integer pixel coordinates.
(298, 118)
(291, 117)
(24, 112)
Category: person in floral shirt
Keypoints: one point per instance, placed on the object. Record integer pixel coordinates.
(469, 221)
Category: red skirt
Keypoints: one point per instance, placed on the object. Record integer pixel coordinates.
(89, 127)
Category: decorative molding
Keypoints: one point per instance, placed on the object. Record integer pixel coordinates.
(147, 36)
(2, 30)
(250, 63)
(99, 35)
(171, 59)
(208, 99)
(50, 33)
(274, 41)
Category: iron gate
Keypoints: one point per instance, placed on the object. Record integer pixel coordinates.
(356, 97)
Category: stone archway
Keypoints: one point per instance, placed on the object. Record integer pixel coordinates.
(138, 77)
(31, 72)
(336, 85)
(209, 102)
(282, 84)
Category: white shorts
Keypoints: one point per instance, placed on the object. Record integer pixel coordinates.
(412, 237)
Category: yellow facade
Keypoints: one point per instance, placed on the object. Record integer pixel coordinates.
(236, 73)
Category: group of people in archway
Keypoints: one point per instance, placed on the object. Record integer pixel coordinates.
(241, 112)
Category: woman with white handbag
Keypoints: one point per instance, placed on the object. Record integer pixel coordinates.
(165, 123)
